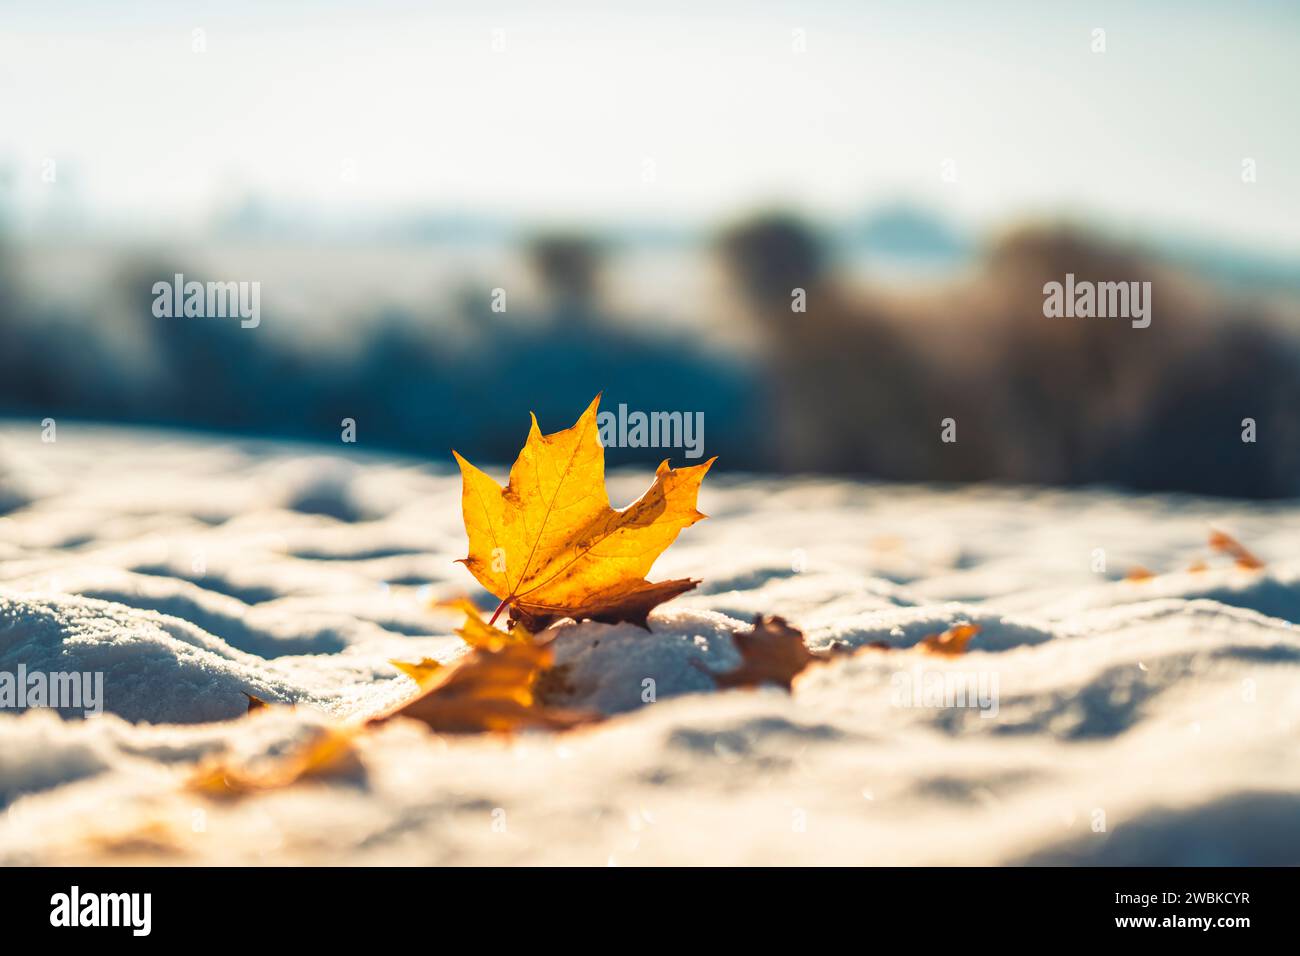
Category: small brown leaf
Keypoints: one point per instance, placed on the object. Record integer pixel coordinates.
(951, 643)
(772, 652)
(1139, 573)
(255, 703)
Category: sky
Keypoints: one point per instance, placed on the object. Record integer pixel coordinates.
(666, 111)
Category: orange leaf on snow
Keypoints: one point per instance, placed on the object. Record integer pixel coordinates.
(489, 689)
(329, 752)
(1226, 544)
(492, 687)
(477, 632)
(951, 643)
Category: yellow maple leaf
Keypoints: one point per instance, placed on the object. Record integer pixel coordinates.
(549, 544)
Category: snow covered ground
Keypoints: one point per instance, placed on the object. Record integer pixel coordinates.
(1129, 722)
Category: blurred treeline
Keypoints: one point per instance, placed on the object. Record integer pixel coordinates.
(859, 383)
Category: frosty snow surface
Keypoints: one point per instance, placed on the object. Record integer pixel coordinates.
(1145, 722)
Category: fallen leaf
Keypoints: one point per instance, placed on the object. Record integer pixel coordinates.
(549, 544)
(255, 703)
(1226, 544)
(143, 839)
(489, 689)
(1139, 573)
(951, 643)
(329, 752)
(772, 652)
(422, 671)
(477, 632)
(459, 605)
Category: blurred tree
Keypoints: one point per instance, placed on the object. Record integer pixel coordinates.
(567, 265)
(771, 254)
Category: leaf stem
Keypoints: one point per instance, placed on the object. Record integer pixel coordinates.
(497, 613)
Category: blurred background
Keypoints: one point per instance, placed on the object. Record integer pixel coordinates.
(642, 186)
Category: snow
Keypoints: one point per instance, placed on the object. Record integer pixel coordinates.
(1135, 722)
